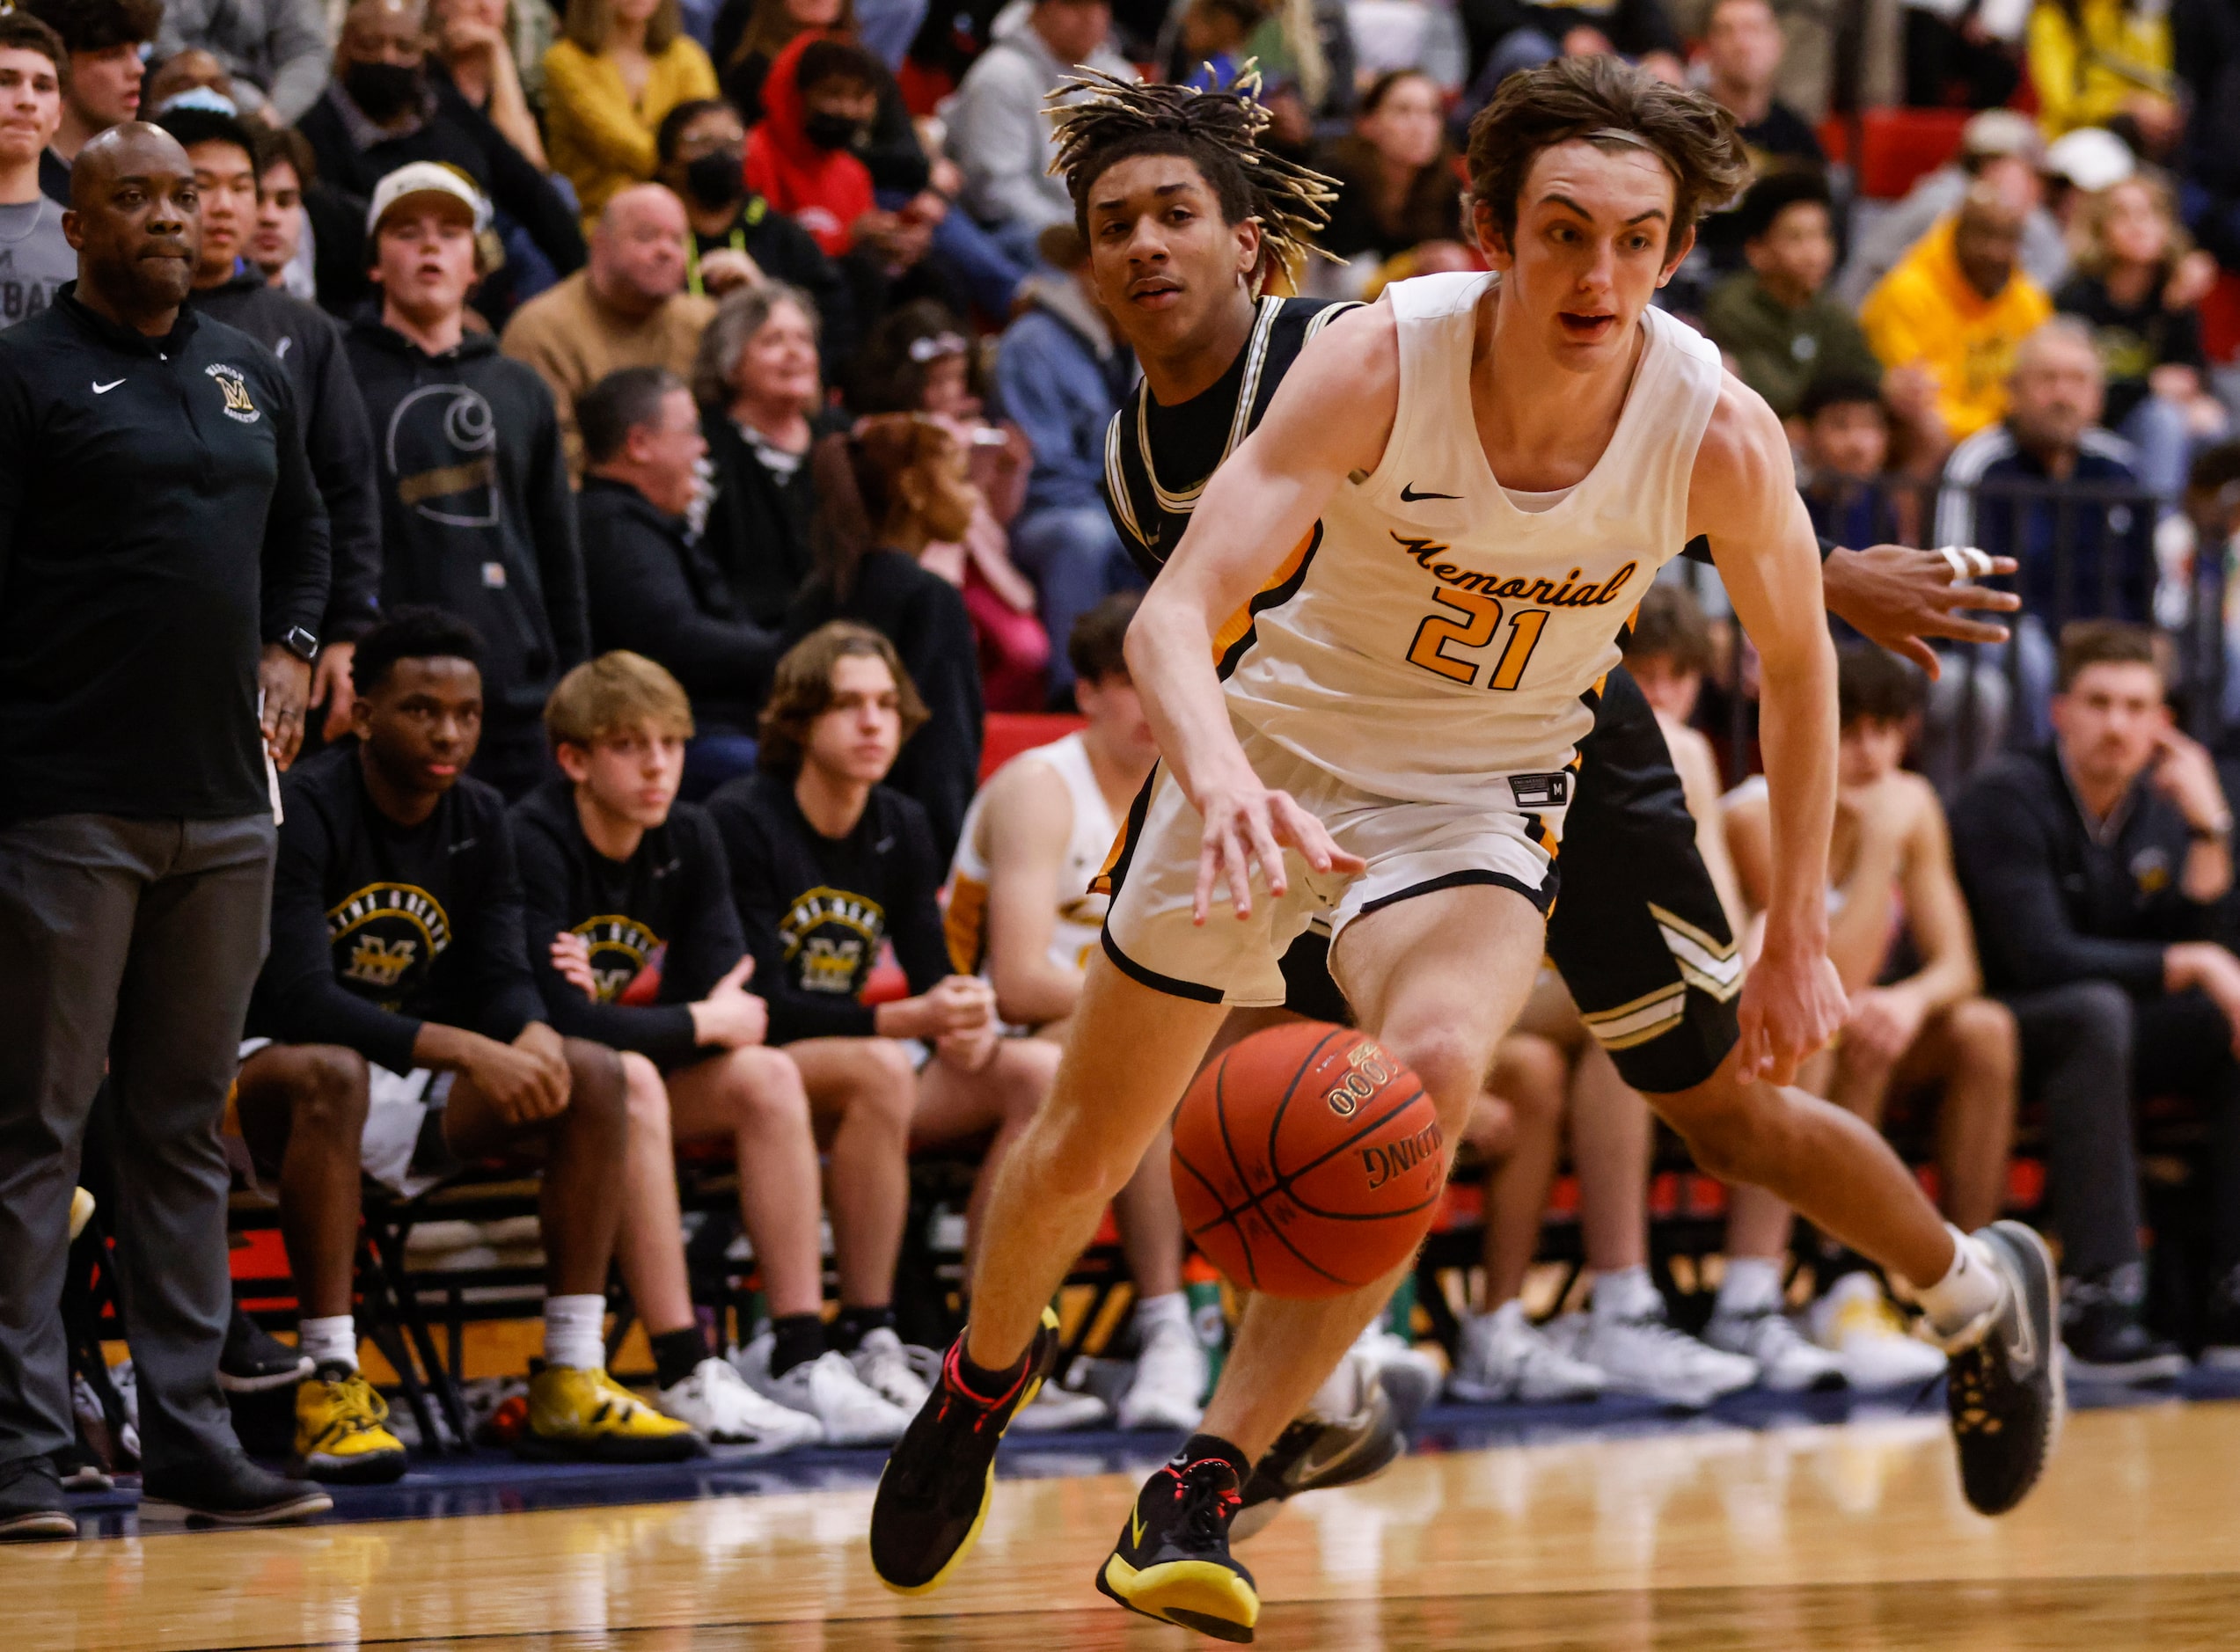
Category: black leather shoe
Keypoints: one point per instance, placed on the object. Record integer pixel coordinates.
(252, 1361)
(232, 1491)
(31, 1502)
(2106, 1340)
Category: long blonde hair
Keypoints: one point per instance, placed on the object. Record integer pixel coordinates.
(2088, 234)
(590, 22)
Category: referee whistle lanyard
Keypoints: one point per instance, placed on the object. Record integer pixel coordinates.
(737, 243)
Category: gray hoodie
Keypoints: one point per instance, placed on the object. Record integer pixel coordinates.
(280, 46)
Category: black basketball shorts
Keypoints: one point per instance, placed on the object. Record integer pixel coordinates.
(1636, 932)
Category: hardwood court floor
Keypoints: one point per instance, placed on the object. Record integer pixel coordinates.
(1712, 1540)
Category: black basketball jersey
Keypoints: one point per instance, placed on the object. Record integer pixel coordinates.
(1157, 459)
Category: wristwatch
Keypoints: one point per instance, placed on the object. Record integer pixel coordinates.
(302, 644)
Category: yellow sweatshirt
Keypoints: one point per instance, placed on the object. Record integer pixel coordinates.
(2086, 80)
(1924, 311)
(596, 137)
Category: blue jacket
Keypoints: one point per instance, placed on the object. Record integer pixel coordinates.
(1052, 382)
(2088, 555)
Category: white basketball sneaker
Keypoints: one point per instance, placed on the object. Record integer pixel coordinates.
(1506, 1357)
(1787, 1363)
(828, 1389)
(888, 1370)
(1168, 1388)
(1410, 1376)
(1864, 1329)
(1639, 1352)
(716, 1403)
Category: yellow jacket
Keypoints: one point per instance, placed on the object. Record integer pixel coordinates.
(598, 138)
(1924, 311)
(2087, 81)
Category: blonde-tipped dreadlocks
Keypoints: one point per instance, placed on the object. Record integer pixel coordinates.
(1097, 115)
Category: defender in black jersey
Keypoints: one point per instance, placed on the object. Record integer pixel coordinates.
(827, 866)
(396, 1027)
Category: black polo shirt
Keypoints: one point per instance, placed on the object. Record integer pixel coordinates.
(158, 525)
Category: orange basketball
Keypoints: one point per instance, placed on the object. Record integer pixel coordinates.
(1308, 1162)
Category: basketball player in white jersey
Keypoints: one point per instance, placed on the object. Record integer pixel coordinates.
(1021, 913)
(1470, 483)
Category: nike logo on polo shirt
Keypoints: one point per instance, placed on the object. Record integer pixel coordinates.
(1408, 496)
(103, 390)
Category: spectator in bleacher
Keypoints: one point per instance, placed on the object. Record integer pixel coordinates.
(2106, 63)
(1845, 451)
(2083, 555)
(628, 307)
(105, 40)
(156, 638)
(273, 51)
(1742, 50)
(886, 491)
(800, 156)
(1774, 318)
(653, 590)
(827, 866)
(397, 1033)
(918, 359)
(1060, 376)
(619, 68)
(1504, 36)
(1022, 915)
(385, 107)
(282, 245)
(761, 401)
(32, 63)
(750, 35)
(2094, 867)
(1956, 305)
(635, 945)
(308, 346)
(475, 41)
(476, 514)
(736, 238)
(1917, 1018)
(1395, 173)
(2139, 286)
(1209, 42)
(999, 131)
(1998, 145)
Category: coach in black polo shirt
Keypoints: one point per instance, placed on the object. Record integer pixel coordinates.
(163, 564)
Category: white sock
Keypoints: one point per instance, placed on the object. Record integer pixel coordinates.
(1751, 1284)
(1510, 1312)
(576, 1332)
(1169, 1307)
(1970, 1287)
(1339, 1397)
(329, 1342)
(1626, 1293)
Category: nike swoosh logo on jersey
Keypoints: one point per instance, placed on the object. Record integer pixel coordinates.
(1408, 496)
(462, 845)
(103, 390)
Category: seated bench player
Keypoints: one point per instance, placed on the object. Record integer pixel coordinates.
(396, 1031)
(1021, 914)
(636, 946)
(827, 866)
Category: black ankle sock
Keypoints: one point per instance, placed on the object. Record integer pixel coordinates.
(979, 1380)
(851, 1326)
(1198, 1447)
(678, 1354)
(795, 1339)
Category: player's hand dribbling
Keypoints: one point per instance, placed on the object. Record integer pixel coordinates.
(1792, 1004)
(1246, 824)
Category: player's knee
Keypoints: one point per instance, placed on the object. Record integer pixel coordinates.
(644, 1096)
(766, 1092)
(335, 1093)
(598, 1097)
(1450, 1064)
(1726, 1126)
(1988, 1041)
(2098, 1012)
(886, 1089)
(1027, 1067)
(1535, 1074)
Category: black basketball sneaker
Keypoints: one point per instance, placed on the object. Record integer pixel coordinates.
(1311, 1455)
(1172, 1562)
(934, 1491)
(2003, 1386)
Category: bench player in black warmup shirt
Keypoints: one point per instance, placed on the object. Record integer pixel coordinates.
(635, 945)
(827, 863)
(1638, 935)
(397, 1029)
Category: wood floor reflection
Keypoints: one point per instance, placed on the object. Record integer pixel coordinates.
(1852, 1536)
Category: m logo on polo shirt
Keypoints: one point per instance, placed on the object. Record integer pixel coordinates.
(235, 388)
(831, 938)
(385, 938)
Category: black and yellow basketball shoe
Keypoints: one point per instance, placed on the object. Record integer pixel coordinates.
(934, 1493)
(1172, 1562)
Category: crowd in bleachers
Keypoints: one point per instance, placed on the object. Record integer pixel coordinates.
(709, 407)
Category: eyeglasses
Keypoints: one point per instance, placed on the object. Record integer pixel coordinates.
(934, 345)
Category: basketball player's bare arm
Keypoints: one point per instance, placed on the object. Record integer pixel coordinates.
(1025, 825)
(1331, 418)
(1743, 496)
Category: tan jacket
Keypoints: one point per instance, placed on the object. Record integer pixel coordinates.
(574, 341)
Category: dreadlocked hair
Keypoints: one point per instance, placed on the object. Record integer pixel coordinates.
(1102, 121)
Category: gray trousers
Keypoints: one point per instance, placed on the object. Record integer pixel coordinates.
(133, 943)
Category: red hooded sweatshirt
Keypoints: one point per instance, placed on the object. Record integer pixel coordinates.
(824, 190)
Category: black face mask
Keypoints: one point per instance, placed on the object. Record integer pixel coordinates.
(383, 91)
(715, 179)
(831, 131)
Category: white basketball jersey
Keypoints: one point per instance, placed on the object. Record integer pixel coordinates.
(1081, 915)
(1440, 638)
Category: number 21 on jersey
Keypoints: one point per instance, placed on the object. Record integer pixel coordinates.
(1478, 619)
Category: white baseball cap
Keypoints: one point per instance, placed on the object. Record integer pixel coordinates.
(427, 177)
(2092, 158)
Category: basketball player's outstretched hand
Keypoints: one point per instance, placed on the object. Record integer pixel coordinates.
(1253, 825)
(1792, 1004)
(1896, 596)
